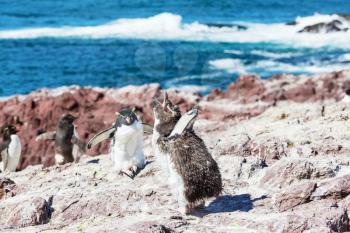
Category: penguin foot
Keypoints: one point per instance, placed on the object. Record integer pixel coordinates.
(134, 169)
(127, 173)
(184, 210)
(188, 209)
(130, 172)
(200, 205)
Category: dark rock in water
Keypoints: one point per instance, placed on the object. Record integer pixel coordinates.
(226, 25)
(292, 23)
(334, 26)
(337, 25)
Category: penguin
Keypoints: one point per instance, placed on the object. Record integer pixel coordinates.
(193, 174)
(346, 96)
(68, 146)
(126, 147)
(10, 148)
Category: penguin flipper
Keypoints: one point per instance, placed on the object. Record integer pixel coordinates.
(46, 136)
(186, 122)
(147, 128)
(101, 136)
(3, 147)
(5, 156)
(76, 141)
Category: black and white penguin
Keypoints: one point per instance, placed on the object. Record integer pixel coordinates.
(10, 148)
(68, 146)
(193, 174)
(126, 148)
(346, 96)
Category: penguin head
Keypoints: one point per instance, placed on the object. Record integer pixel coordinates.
(8, 130)
(166, 114)
(126, 116)
(67, 119)
(347, 91)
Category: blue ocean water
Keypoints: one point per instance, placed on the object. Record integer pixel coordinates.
(196, 44)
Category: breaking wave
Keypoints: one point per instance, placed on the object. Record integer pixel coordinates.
(168, 26)
(272, 66)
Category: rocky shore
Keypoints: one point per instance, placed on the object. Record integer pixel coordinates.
(282, 145)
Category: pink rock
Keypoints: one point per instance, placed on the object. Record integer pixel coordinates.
(249, 96)
(289, 171)
(31, 212)
(336, 188)
(286, 172)
(294, 195)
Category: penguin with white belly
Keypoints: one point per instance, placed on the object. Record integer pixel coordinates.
(126, 148)
(346, 96)
(10, 148)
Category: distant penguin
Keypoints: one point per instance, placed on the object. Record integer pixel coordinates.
(126, 148)
(346, 98)
(68, 146)
(10, 148)
(193, 174)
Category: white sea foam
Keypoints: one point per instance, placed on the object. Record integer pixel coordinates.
(206, 76)
(191, 88)
(235, 52)
(268, 66)
(345, 57)
(316, 68)
(273, 55)
(167, 26)
(229, 65)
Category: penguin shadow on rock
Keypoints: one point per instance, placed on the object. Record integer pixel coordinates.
(227, 204)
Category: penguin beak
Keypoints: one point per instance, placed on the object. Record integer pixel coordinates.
(128, 120)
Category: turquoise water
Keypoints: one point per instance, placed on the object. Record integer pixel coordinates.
(182, 44)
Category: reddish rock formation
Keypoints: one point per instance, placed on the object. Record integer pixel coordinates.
(39, 112)
(249, 96)
(250, 88)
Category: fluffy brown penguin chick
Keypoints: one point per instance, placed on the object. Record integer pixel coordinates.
(192, 172)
